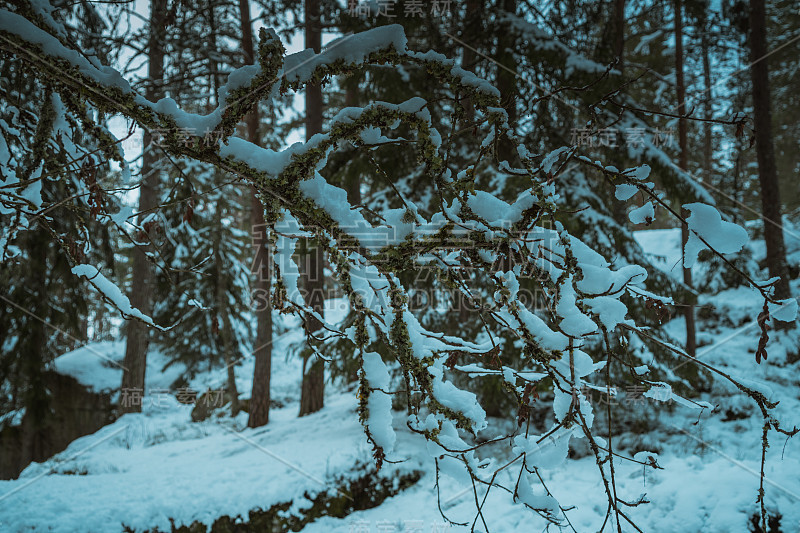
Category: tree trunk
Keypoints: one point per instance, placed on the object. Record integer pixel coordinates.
(138, 339)
(619, 32)
(313, 388)
(226, 334)
(614, 39)
(611, 45)
(765, 152)
(224, 324)
(472, 28)
(507, 79)
(353, 185)
(688, 310)
(31, 351)
(260, 395)
(708, 140)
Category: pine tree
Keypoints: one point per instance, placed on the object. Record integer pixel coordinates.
(767, 171)
(205, 275)
(138, 336)
(688, 309)
(435, 203)
(262, 349)
(49, 153)
(313, 385)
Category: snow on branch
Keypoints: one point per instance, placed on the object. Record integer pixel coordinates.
(527, 239)
(112, 293)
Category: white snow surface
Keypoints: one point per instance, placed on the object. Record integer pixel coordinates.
(643, 214)
(110, 291)
(705, 222)
(145, 469)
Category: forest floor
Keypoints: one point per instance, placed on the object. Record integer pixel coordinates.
(157, 468)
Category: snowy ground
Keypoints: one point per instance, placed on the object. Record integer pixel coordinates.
(144, 470)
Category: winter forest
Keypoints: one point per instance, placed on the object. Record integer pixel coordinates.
(399, 266)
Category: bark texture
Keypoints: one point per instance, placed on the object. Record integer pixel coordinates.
(507, 79)
(688, 309)
(260, 397)
(765, 151)
(313, 387)
(138, 334)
